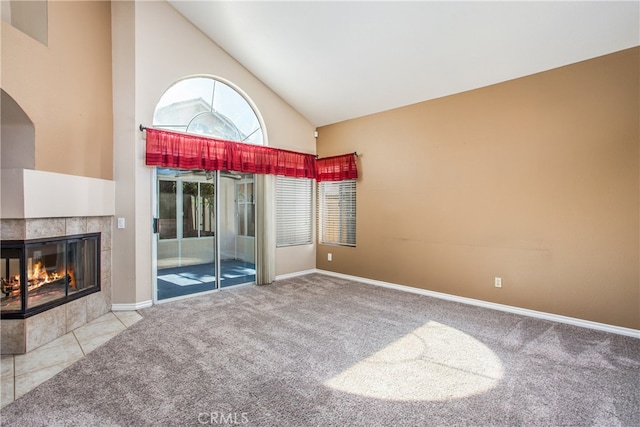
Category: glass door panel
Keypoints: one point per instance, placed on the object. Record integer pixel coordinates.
(186, 247)
(206, 223)
(207, 210)
(167, 249)
(190, 203)
(167, 210)
(237, 229)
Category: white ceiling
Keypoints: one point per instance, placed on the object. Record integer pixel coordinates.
(334, 61)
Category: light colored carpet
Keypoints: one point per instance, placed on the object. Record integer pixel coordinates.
(321, 351)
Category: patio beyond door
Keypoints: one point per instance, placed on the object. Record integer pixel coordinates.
(205, 231)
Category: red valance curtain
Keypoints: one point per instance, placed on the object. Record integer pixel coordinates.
(184, 151)
(337, 168)
(177, 150)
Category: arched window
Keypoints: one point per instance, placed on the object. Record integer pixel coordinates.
(207, 106)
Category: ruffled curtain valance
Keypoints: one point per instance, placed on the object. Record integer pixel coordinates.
(336, 168)
(185, 151)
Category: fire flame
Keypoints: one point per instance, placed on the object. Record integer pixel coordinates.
(39, 273)
(38, 276)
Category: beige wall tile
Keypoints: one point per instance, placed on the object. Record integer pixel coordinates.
(96, 306)
(105, 240)
(101, 224)
(45, 227)
(76, 225)
(12, 229)
(76, 313)
(106, 291)
(105, 263)
(45, 327)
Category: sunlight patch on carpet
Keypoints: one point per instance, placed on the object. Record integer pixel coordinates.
(434, 362)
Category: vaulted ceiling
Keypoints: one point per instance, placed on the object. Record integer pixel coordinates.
(337, 60)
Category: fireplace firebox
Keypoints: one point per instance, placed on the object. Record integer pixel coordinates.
(37, 275)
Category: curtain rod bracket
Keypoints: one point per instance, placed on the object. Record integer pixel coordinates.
(142, 128)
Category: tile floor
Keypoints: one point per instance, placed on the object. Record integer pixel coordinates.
(23, 372)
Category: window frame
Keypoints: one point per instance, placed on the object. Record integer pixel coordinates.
(337, 215)
(294, 208)
(245, 207)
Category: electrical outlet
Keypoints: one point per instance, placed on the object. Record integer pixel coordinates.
(329, 257)
(498, 282)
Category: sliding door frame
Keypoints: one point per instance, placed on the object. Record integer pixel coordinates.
(217, 241)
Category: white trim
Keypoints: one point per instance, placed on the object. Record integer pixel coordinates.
(154, 236)
(298, 273)
(634, 333)
(30, 193)
(131, 307)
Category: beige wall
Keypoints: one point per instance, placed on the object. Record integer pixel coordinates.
(535, 180)
(65, 87)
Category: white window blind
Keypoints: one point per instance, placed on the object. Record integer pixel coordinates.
(294, 212)
(337, 212)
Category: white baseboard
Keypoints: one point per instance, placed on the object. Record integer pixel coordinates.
(635, 333)
(131, 307)
(296, 274)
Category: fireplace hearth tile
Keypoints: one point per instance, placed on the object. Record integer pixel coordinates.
(43, 363)
(128, 318)
(94, 334)
(6, 380)
(44, 227)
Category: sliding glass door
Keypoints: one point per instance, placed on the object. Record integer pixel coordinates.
(205, 231)
(237, 229)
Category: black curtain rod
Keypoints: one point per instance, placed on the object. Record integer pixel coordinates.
(355, 153)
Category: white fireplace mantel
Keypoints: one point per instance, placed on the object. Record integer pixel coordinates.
(27, 193)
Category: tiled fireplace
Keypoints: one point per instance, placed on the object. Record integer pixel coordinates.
(55, 230)
(56, 276)
(40, 274)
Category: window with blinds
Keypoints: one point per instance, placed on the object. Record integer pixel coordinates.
(337, 212)
(294, 212)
